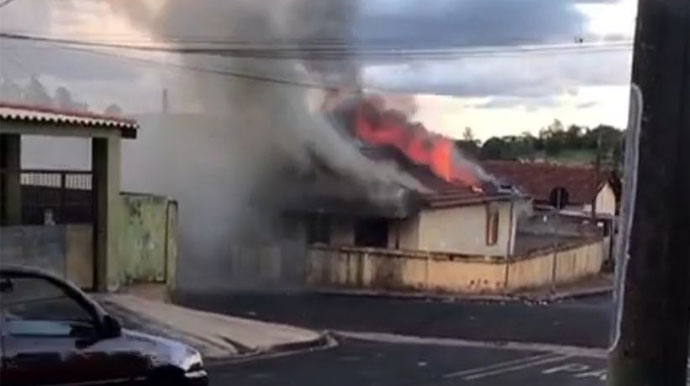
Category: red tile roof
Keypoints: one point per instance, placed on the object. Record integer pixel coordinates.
(441, 193)
(539, 179)
(49, 115)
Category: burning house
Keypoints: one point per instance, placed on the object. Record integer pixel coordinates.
(441, 201)
(442, 224)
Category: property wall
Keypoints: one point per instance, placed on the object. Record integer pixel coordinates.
(64, 250)
(371, 268)
(463, 230)
(38, 246)
(147, 238)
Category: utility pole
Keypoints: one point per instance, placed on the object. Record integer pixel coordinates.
(650, 339)
(597, 168)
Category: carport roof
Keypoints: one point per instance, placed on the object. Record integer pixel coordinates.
(49, 115)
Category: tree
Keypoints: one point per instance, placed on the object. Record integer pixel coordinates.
(573, 137)
(493, 148)
(63, 99)
(468, 145)
(113, 110)
(468, 134)
(10, 91)
(36, 94)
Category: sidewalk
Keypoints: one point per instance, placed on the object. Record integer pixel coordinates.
(598, 285)
(215, 336)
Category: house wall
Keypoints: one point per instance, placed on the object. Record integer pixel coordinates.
(371, 268)
(463, 230)
(405, 232)
(458, 230)
(606, 201)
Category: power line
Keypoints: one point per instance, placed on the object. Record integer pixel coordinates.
(335, 53)
(5, 3)
(201, 69)
(398, 43)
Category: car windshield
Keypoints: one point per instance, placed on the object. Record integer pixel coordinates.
(38, 300)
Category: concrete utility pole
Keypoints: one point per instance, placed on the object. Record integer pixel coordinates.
(650, 346)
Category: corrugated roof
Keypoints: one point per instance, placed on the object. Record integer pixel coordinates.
(48, 115)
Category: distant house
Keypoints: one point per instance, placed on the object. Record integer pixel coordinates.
(577, 187)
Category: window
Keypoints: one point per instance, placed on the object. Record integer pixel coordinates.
(371, 233)
(35, 306)
(318, 230)
(491, 225)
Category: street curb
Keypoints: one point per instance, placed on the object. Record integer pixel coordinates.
(325, 341)
(392, 338)
(468, 298)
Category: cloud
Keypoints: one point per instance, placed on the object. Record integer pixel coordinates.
(522, 76)
(586, 105)
(471, 22)
(69, 64)
(531, 104)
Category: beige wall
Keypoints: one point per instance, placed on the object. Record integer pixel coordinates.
(370, 268)
(406, 232)
(460, 230)
(463, 230)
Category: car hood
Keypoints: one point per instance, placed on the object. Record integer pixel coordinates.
(162, 351)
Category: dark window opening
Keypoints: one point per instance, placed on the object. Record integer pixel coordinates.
(318, 230)
(371, 233)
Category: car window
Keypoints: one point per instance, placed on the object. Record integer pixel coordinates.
(35, 306)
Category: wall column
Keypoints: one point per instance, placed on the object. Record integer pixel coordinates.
(10, 185)
(105, 162)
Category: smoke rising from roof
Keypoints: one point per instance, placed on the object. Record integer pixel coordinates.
(249, 133)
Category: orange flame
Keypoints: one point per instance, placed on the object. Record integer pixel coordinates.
(391, 128)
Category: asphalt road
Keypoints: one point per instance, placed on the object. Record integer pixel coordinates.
(361, 363)
(576, 323)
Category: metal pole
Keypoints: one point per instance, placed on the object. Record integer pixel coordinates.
(650, 334)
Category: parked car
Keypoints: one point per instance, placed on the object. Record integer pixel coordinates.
(54, 334)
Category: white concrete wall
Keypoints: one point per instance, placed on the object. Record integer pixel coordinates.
(373, 268)
(606, 200)
(463, 230)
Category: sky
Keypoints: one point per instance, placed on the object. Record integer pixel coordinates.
(503, 92)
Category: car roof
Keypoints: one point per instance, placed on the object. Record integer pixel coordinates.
(27, 270)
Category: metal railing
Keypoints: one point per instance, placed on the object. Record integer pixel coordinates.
(53, 196)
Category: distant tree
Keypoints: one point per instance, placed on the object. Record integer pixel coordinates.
(468, 145)
(36, 94)
(556, 126)
(113, 110)
(468, 134)
(573, 136)
(63, 99)
(493, 148)
(10, 91)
